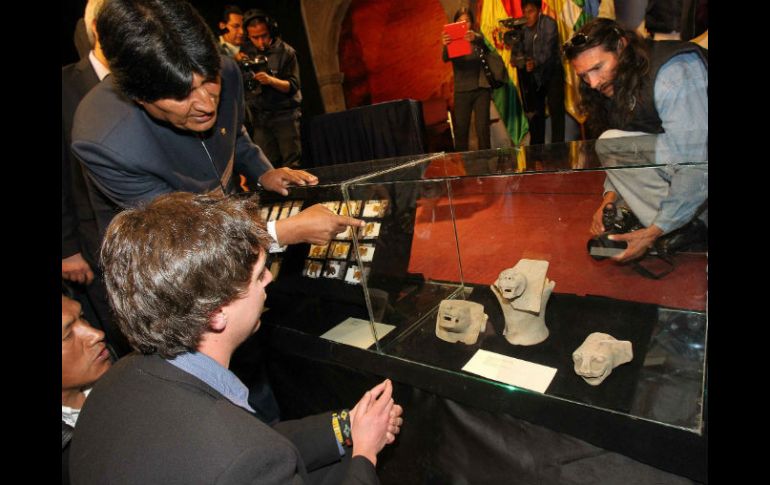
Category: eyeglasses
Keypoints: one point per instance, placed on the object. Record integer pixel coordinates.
(576, 41)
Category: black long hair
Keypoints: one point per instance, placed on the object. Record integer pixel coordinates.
(631, 74)
(467, 11)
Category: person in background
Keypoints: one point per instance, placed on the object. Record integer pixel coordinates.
(173, 412)
(275, 100)
(232, 33)
(543, 73)
(472, 91)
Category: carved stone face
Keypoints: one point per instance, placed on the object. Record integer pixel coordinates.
(598, 355)
(594, 367)
(453, 318)
(511, 283)
(460, 321)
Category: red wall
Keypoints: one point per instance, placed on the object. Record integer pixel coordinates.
(392, 50)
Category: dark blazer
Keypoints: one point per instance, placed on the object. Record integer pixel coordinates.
(148, 422)
(468, 74)
(131, 158)
(79, 232)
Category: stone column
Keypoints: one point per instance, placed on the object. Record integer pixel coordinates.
(323, 22)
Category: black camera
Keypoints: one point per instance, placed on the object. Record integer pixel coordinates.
(512, 35)
(615, 221)
(250, 67)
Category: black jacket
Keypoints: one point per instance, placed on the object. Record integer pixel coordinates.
(147, 421)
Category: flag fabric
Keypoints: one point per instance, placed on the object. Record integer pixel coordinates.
(507, 98)
(570, 15)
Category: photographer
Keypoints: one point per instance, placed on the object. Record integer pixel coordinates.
(631, 85)
(273, 93)
(543, 76)
(472, 91)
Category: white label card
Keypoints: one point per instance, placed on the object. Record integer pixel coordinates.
(510, 370)
(357, 332)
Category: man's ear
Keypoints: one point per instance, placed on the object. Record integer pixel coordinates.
(622, 44)
(218, 321)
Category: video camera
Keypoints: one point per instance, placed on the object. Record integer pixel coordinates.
(615, 221)
(512, 35)
(250, 67)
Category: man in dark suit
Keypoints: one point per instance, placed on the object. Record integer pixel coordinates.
(170, 117)
(84, 358)
(80, 237)
(187, 276)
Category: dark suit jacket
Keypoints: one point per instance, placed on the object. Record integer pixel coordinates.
(468, 74)
(148, 422)
(79, 232)
(131, 157)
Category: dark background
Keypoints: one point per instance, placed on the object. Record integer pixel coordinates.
(286, 12)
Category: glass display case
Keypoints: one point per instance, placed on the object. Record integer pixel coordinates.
(444, 226)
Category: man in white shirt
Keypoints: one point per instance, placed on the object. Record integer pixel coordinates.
(232, 34)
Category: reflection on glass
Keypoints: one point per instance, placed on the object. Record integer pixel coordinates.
(442, 227)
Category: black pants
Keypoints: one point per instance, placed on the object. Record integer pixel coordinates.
(476, 101)
(279, 139)
(552, 93)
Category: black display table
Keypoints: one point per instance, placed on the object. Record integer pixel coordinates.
(469, 430)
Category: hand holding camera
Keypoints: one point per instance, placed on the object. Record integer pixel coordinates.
(263, 78)
(614, 221)
(512, 34)
(250, 68)
(637, 242)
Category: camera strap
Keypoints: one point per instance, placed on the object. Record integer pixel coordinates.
(493, 83)
(654, 273)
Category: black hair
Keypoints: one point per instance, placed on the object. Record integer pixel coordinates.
(537, 3)
(154, 47)
(257, 15)
(468, 12)
(230, 10)
(631, 72)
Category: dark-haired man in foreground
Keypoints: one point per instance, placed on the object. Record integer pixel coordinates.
(186, 276)
(170, 118)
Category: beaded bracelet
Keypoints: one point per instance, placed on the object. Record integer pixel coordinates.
(344, 420)
(336, 427)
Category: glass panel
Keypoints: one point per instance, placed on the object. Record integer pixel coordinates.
(397, 215)
(337, 174)
(687, 147)
(443, 227)
(536, 205)
(312, 290)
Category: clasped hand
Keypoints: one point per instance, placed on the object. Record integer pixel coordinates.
(375, 421)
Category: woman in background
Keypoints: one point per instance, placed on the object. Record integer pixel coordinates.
(472, 91)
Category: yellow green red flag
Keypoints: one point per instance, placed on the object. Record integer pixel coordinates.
(507, 98)
(570, 15)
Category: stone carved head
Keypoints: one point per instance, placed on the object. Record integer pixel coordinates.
(511, 283)
(598, 355)
(460, 321)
